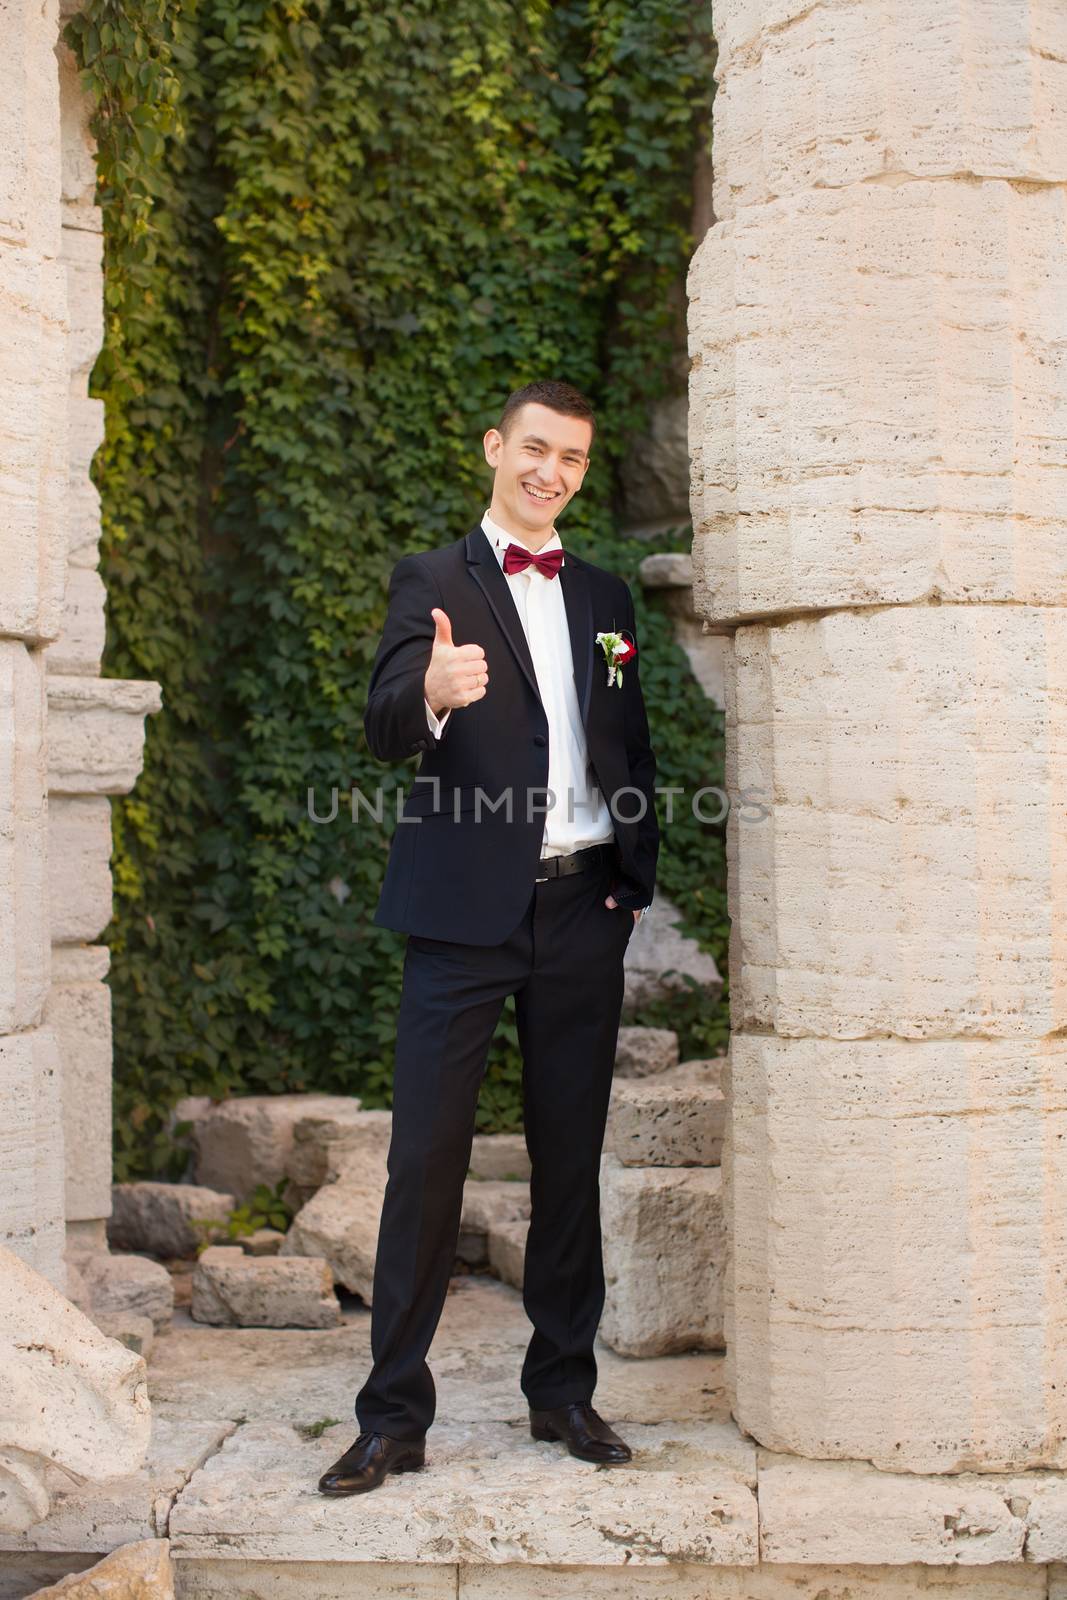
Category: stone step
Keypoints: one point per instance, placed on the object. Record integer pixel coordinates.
(653, 1122)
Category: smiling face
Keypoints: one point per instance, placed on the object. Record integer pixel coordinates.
(539, 467)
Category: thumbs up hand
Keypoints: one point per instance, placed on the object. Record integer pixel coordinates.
(457, 674)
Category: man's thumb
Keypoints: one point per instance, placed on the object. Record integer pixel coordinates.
(443, 628)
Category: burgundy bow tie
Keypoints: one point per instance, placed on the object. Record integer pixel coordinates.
(517, 558)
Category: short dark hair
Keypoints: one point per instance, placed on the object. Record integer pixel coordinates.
(557, 396)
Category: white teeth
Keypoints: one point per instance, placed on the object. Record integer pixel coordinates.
(538, 494)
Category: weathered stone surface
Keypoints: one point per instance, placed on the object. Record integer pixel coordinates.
(23, 837)
(220, 1579)
(490, 1494)
(664, 1242)
(825, 99)
(96, 733)
(307, 1166)
(31, 1152)
(68, 1396)
(687, 1581)
(501, 1156)
(139, 1571)
(849, 1511)
(801, 497)
(302, 1376)
(79, 1013)
(79, 867)
(340, 1222)
(895, 1205)
(642, 1052)
(232, 1289)
(655, 1124)
(662, 961)
(932, 710)
(671, 576)
(161, 1218)
(80, 646)
(129, 1284)
(249, 1140)
(655, 475)
(135, 1332)
(102, 1515)
(487, 1205)
(263, 1242)
(507, 1250)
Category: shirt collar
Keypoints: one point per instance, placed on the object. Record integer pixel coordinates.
(499, 538)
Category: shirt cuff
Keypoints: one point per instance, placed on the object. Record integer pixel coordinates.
(436, 724)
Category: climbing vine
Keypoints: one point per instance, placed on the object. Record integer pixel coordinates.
(338, 234)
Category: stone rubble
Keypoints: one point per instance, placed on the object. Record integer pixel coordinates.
(128, 1286)
(161, 1218)
(643, 1052)
(141, 1571)
(663, 963)
(656, 1124)
(234, 1289)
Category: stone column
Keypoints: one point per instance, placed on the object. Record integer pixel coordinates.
(878, 421)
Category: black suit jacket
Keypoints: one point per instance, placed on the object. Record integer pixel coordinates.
(459, 870)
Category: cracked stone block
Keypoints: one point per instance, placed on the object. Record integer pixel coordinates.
(250, 1139)
(340, 1222)
(131, 1505)
(79, 1013)
(119, 1285)
(307, 1165)
(950, 489)
(80, 647)
(662, 962)
(488, 1203)
(79, 867)
(234, 1290)
(161, 1218)
(507, 1250)
(641, 1052)
(96, 733)
(655, 473)
(670, 575)
(656, 1124)
(500, 1156)
(23, 839)
(68, 1397)
(822, 98)
(849, 1511)
(664, 1243)
(913, 763)
(31, 1152)
(492, 1495)
(135, 1332)
(896, 1209)
(141, 1571)
(262, 1242)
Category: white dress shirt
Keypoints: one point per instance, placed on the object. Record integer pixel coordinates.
(585, 820)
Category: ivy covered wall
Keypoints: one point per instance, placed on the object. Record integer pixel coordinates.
(338, 234)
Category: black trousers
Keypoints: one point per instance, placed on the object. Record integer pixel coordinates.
(564, 965)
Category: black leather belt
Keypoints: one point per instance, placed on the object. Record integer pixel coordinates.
(577, 861)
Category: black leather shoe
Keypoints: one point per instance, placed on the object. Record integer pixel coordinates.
(585, 1434)
(366, 1463)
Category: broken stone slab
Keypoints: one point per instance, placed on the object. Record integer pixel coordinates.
(507, 1251)
(500, 1156)
(487, 1204)
(852, 1512)
(135, 1332)
(161, 1218)
(248, 1140)
(340, 1222)
(664, 1241)
(671, 574)
(235, 1290)
(141, 1571)
(643, 1052)
(125, 1285)
(708, 1071)
(96, 733)
(263, 1242)
(308, 1166)
(657, 1124)
(68, 1396)
(661, 961)
(491, 1495)
(100, 1516)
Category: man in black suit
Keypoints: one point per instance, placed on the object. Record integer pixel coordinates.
(527, 853)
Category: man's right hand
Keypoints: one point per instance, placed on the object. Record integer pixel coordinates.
(457, 674)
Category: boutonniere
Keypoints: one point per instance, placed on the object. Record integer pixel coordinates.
(618, 650)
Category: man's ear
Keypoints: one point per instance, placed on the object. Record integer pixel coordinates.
(492, 444)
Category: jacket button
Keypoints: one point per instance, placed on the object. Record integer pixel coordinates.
(420, 744)
(539, 739)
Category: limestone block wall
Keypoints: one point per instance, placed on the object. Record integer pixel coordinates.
(68, 738)
(878, 426)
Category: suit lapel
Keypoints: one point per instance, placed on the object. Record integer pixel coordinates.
(488, 574)
(486, 571)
